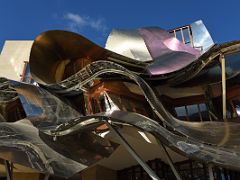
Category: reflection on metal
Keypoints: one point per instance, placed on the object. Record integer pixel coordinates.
(152, 44)
(128, 147)
(56, 127)
(129, 43)
(201, 37)
(170, 162)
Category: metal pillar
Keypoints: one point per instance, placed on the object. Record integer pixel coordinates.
(46, 177)
(128, 147)
(170, 162)
(210, 172)
(9, 169)
(224, 104)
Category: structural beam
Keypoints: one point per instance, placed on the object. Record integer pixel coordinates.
(170, 162)
(224, 103)
(128, 147)
(9, 170)
(210, 172)
(46, 177)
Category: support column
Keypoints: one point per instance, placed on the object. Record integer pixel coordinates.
(46, 177)
(128, 147)
(170, 162)
(9, 170)
(210, 172)
(224, 103)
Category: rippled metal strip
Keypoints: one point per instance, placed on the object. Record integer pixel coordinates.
(53, 50)
(7, 94)
(195, 68)
(46, 110)
(22, 143)
(196, 132)
(185, 145)
(144, 44)
(187, 128)
(59, 48)
(194, 141)
(102, 67)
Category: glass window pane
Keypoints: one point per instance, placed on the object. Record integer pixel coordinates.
(193, 113)
(181, 112)
(186, 36)
(172, 33)
(179, 35)
(204, 112)
(232, 64)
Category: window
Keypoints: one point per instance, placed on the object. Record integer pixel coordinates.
(184, 35)
(181, 112)
(234, 107)
(179, 36)
(188, 170)
(232, 64)
(194, 112)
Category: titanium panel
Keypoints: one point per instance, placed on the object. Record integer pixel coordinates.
(152, 43)
(128, 43)
(201, 37)
(169, 53)
(55, 138)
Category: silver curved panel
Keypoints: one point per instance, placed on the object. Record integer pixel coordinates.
(48, 139)
(128, 43)
(191, 147)
(44, 108)
(22, 143)
(169, 53)
(170, 62)
(201, 37)
(160, 42)
(152, 43)
(197, 143)
(206, 68)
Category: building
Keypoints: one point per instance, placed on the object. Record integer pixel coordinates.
(163, 91)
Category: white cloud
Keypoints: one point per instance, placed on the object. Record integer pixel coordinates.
(76, 22)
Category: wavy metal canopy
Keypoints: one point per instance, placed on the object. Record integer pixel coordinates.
(58, 129)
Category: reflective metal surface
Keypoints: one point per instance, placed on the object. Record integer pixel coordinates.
(55, 126)
(219, 147)
(201, 36)
(21, 143)
(129, 43)
(43, 108)
(56, 55)
(167, 52)
(207, 68)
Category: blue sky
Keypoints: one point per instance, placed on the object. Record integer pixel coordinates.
(25, 19)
